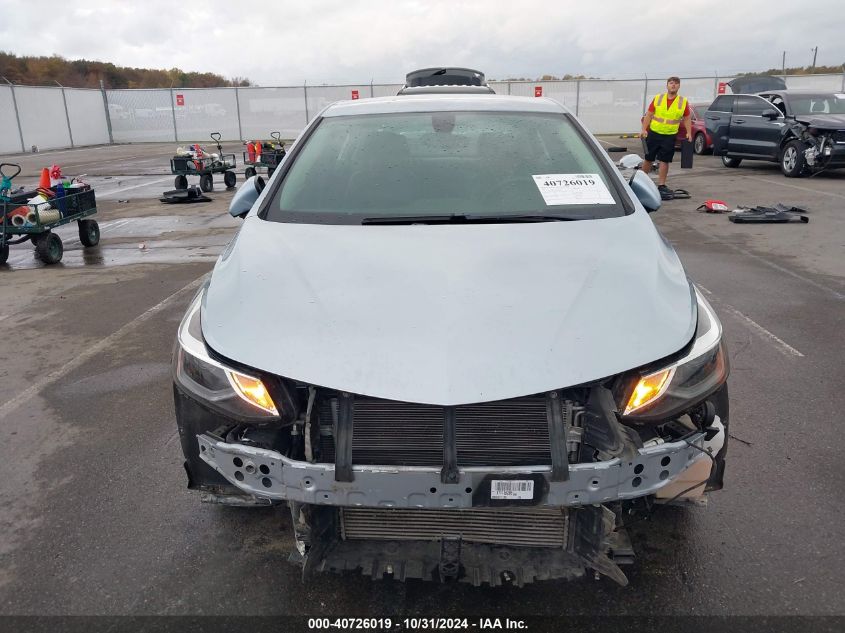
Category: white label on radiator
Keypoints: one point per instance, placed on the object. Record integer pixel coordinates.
(511, 489)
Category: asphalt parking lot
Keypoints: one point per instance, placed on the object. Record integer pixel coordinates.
(93, 507)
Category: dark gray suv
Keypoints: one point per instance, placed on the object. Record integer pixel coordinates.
(803, 131)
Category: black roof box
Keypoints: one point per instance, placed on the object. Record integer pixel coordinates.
(442, 76)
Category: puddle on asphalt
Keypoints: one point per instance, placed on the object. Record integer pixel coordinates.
(140, 243)
(121, 255)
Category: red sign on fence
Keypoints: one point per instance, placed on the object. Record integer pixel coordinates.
(722, 87)
(180, 100)
(538, 91)
(354, 94)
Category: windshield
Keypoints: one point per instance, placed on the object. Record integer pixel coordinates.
(817, 104)
(445, 164)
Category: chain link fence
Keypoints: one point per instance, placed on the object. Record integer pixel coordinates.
(55, 117)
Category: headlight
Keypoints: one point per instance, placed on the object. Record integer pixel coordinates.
(229, 391)
(672, 389)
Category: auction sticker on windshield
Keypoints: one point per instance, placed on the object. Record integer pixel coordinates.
(573, 189)
(511, 489)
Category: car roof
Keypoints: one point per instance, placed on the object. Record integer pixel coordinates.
(444, 103)
(786, 93)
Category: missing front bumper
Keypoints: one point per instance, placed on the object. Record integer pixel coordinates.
(267, 474)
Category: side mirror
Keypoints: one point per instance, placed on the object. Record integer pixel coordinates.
(770, 114)
(245, 197)
(645, 190)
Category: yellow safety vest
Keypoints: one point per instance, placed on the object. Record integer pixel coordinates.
(667, 120)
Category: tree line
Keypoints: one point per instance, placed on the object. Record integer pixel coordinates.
(82, 73)
(800, 70)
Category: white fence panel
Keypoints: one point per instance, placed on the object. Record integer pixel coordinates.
(565, 92)
(139, 116)
(10, 138)
(87, 117)
(611, 106)
(206, 110)
(43, 120)
(265, 110)
(386, 90)
(147, 115)
(321, 96)
(822, 83)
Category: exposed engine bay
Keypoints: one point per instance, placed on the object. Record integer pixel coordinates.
(820, 142)
(511, 521)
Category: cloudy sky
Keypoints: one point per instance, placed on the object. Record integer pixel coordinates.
(285, 42)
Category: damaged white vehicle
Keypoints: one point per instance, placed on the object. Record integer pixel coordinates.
(450, 337)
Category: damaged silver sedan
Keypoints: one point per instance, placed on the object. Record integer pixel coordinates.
(450, 338)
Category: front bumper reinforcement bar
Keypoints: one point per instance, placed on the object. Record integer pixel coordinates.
(267, 474)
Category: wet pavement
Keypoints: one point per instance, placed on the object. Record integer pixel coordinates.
(93, 506)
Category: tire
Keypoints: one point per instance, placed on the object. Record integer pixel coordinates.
(699, 144)
(270, 171)
(181, 182)
(229, 179)
(49, 248)
(89, 232)
(4, 254)
(249, 172)
(206, 182)
(731, 162)
(792, 162)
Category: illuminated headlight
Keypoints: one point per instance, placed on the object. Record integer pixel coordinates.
(672, 389)
(228, 390)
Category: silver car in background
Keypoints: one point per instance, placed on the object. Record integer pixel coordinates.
(450, 338)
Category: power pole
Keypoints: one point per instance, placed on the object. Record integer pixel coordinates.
(815, 53)
(783, 64)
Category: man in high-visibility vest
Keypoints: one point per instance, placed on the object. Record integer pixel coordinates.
(660, 127)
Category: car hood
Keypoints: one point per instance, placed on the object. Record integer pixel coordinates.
(448, 314)
(823, 121)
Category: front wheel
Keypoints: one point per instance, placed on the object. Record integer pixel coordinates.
(181, 182)
(206, 182)
(4, 254)
(249, 172)
(89, 232)
(792, 161)
(229, 179)
(49, 248)
(731, 162)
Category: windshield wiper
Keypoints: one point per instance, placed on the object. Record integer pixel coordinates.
(457, 218)
(524, 218)
(417, 219)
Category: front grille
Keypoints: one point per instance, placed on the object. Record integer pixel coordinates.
(503, 433)
(525, 527)
(839, 137)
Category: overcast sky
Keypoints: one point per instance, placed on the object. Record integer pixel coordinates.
(286, 42)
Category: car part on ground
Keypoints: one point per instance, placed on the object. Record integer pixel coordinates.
(184, 196)
(777, 214)
(714, 206)
(490, 414)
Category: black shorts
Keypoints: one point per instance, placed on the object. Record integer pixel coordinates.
(660, 146)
